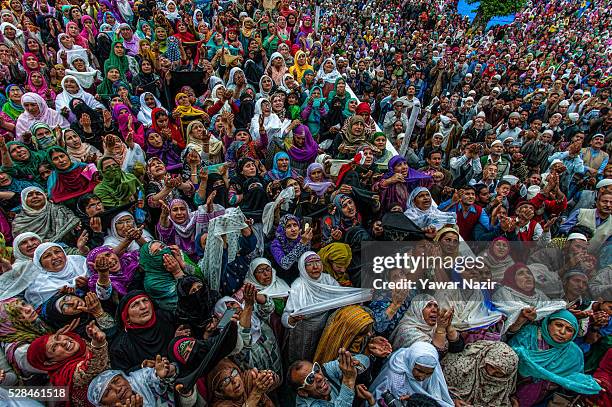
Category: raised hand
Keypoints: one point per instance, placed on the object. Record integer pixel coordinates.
(92, 305)
(98, 338)
(380, 347)
(163, 367)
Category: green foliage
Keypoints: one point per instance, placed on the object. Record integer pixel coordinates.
(491, 8)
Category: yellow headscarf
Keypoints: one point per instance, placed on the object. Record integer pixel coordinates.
(298, 70)
(340, 254)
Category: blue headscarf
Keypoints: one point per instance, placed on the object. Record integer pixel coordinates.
(277, 174)
(562, 363)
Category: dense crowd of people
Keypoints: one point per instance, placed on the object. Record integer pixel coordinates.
(185, 189)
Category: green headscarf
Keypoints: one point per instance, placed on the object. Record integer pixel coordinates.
(562, 363)
(346, 112)
(12, 109)
(117, 186)
(45, 143)
(334, 92)
(105, 88)
(28, 169)
(158, 282)
(118, 62)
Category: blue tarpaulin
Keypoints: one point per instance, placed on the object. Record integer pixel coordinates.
(469, 10)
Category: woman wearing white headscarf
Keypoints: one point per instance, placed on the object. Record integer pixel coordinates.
(56, 271)
(69, 92)
(144, 115)
(312, 294)
(18, 42)
(413, 370)
(73, 50)
(23, 272)
(276, 288)
(143, 382)
(116, 237)
(328, 77)
(86, 78)
(41, 113)
(421, 211)
(272, 123)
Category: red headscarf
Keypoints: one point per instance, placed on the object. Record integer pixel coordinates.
(510, 278)
(124, 315)
(176, 133)
(60, 373)
(363, 107)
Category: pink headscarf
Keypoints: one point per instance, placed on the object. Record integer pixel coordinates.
(42, 89)
(45, 115)
(94, 29)
(78, 39)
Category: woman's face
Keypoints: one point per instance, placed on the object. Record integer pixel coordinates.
(119, 50)
(117, 391)
(113, 75)
(71, 85)
(524, 279)
(27, 246)
(67, 42)
(60, 347)
(147, 68)
(26, 311)
(15, 94)
(60, 160)
(162, 121)
(32, 108)
(314, 267)
(430, 313)
(266, 107)
(36, 200)
(449, 243)
(282, 163)
(263, 274)
(32, 62)
(278, 104)
(560, 331)
(75, 13)
(243, 136)
(380, 142)
(249, 169)
(149, 99)
(178, 213)
(348, 208)
(53, 259)
(301, 59)
(171, 7)
(296, 187)
(231, 384)
(69, 304)
(290, 82)
(292, 230)
(94, 207)
(328, 66)
(501, 248)
(316, 175)
(79, 65)
(8, 31)
(123, 224)
(197, 131)
(73, 30)
(341, 88)
(421, 373)
(155, 140)
(423, 201)
(266, 84)
(401, 168)
(36, 78)
(160, 34)
(140, 311)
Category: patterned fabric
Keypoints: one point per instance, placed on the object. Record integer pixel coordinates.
(467, 376)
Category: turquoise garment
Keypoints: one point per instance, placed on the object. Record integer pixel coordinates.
(346, 112)
(562, 364)
(158, 282)
(314, 119)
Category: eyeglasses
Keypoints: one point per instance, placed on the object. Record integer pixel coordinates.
(225, 382)
(310, 378)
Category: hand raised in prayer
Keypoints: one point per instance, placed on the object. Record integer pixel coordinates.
(264, 380)
(444, 318)
(95, 223)
(336, 234)
(430, 232)
(134, 400)
(306, 236)
(98, 338)
(549, 223)
(182, 330)
(134, 234)
(81, 243)
(379, 347)
(178, 255)
(92, 305)
(579, 314)
(528, 314)
(347, 365)
(2, 144)
(107, 116)
(210, 201)
(461, 403)
(81, 281)
(600, 318)
(362, 392)
(163, 367)
(250, 294)
(203, 174)
(172, 265)
(67, 290)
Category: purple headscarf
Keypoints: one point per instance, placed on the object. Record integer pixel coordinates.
(281, 236)
(415, 178)
(310, 149)
(120, 281)
(166, 152)
(114, 10)
(318, 188)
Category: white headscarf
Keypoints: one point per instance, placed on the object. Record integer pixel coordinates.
(23, 272)
(229, 224)
(221, 307)
(397, 376)
(113, 239)
(272, 123)
(63, 99)
(308, 296)
(328, 77)
(144, 382)
(233, 72)
(413, 327)
(144, 115)
(45, 115)
(470, 309)
(85, 79)
(429, 217)
(75, 50)
(278, 288)
(171, 15)
(47, 283)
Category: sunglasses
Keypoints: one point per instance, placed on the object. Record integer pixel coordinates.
(310, 378)
(226, 381)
